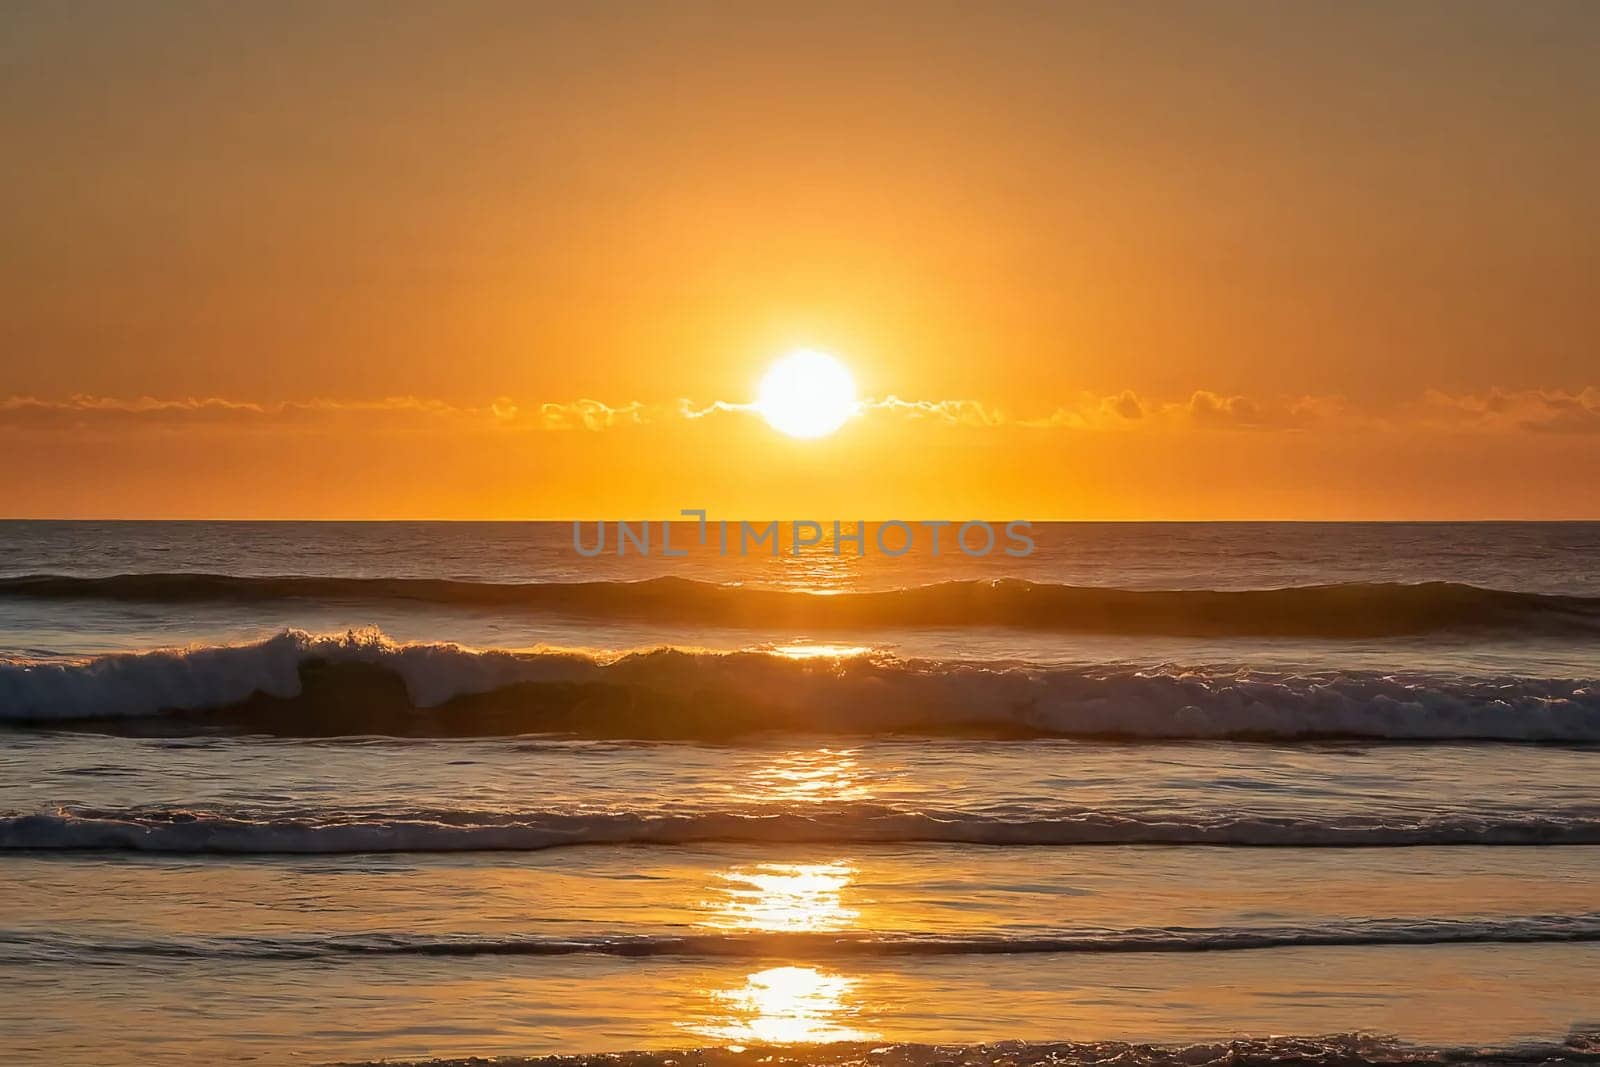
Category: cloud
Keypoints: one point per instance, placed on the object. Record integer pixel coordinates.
(28, 411)
(589, 415)
(1209, 409)
(86, 412)
(1537, 410)
(1496, 410)
(688, 410)
(1125, 404)
(87, 406)
(1204, 409)
(1089, 411)
(958, 412)
(954, 412)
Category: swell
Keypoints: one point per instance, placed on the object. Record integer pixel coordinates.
(1347, 610)
(25, 946)
(305, 685)
(248, 833)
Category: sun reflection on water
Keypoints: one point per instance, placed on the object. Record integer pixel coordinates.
(788, 1004)
(809, 651)
(783, 897)
(812, 776)
(784, 1005)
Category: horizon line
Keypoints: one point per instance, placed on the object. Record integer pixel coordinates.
(1484, 520)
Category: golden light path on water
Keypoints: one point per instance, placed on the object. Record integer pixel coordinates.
(789, 1003)
(785, 1005)
(824, 776)
(784, 897)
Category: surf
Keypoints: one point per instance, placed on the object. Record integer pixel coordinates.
(298, 683)
(815, 945)
(1346, 610)
(245, 832)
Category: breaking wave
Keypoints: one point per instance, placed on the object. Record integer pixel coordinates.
(27, 946)
(360, 683)
(1346, 610)
(211, 832)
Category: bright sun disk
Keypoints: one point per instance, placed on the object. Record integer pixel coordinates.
(807, 394)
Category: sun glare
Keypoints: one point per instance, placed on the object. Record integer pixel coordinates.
(785, 1005)
(783, 897)
(807, 394)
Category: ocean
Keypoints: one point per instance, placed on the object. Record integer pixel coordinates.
(317, 792)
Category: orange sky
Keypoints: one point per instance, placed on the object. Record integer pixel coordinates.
(1223, 260)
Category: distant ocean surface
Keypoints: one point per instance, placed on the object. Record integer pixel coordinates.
(306, 792)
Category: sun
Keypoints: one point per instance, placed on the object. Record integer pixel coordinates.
(807, 394)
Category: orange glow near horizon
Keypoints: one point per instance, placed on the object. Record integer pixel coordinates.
(1080, 263)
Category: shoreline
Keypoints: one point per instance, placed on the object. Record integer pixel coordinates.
(1581, 1046)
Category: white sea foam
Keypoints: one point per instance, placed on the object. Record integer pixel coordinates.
(854, 694)
(332, 832)
(54, 946)
(1337, 1050)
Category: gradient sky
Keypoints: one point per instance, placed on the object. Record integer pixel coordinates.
(1121, 260)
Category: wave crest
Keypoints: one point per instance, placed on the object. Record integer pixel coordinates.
(1377, 609)
(1338, 1050)
(202, 832)
(301, 684)
(814, 945)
